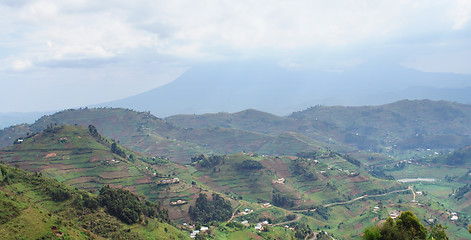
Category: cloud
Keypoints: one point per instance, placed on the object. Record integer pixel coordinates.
(84, 43)
(461, 13)
(80, 29)
(19, 65)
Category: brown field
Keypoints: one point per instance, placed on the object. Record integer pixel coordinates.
(53, 154)
(276, 165)
(113, 175)
(144, 180)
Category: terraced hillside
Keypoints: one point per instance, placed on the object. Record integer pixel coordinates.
(326, 190)
(37, 207)
(82, 158)
(316, 178)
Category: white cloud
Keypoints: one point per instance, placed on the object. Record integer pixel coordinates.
(20, 65)
(461, 14)
(58, 38)
(200, 29)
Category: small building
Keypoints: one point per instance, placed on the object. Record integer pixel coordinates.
(259, 227)
(178, 202)
(245, 223)
(194, 233)
(279, 181)
(394, 214)
(266, 205)
(169, 181)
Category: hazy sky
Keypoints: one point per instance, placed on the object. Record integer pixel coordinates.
(68, 53)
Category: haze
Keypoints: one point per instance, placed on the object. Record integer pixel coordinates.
(64, 54)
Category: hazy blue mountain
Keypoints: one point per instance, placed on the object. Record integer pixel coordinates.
(8, 119)
(232, 87)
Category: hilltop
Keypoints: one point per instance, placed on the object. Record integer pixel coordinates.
(143, 132)
(400, 125)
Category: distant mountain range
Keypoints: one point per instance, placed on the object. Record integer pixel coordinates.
(232, 87)
(402, 125)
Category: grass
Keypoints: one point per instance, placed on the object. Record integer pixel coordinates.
(27, 212)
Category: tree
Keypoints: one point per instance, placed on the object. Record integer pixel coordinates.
(437, 232)
(372, 233)
(205, 210)
(411, 226)
(407, 226)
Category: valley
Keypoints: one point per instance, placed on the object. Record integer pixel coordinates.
(312, 173)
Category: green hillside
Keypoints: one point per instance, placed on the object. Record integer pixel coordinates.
(37, 207)
(402, 125)
(146, 133)
(78, 157)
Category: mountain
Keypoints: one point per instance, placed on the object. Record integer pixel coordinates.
(235, 86)
(8, 119)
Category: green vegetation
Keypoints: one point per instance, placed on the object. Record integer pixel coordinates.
(342, 179)
(250, 165)
(127, 206)
(31, 209)
(216, 210)
(407, 226)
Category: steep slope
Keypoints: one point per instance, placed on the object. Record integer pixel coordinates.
(82, 158)
(35, 207)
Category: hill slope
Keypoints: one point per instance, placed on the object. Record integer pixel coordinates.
(405, 124)
(82, 158)
(35, 207)
(144, 132)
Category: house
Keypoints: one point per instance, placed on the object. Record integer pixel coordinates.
(394, 214)
(259, 227)
(266, 205)
(454, 216)
(279, 180)
(202, 229)
(245, 223)
(178, 202)
(194, 233)
(169, 181)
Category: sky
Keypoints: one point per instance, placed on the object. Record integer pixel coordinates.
(58, 54)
